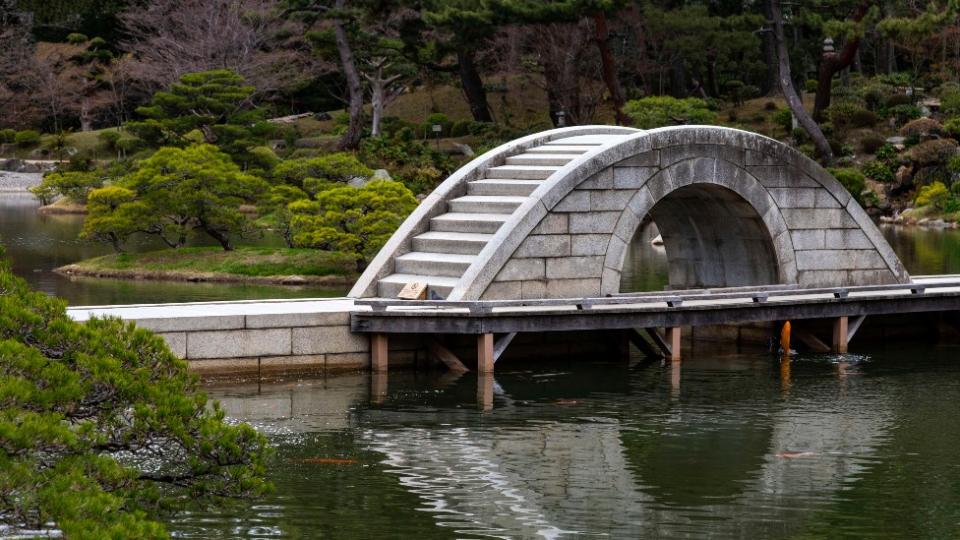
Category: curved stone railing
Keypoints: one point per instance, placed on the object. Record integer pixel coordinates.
(455, 186)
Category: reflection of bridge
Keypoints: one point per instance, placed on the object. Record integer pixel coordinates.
(753, 231)
(616, 461)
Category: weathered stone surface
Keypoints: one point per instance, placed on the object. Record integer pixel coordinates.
(239, 343)
(593, 222)
(589, 244)
(285, 320)
(574, 267)
(795, 197)
(632, 177)
(303, 364)
(177, 341)
(646, 159)
(327, 340)
(609, 199)
(573, 288)
(809, 239)
(552, 224)
(522, 269)
(544, 246)
(818, 218)
(193, 324)
(601, 180)
(836, 259)
(533, 289)
(575, 201)
(502, 290)
(846, 239)
(348, 361)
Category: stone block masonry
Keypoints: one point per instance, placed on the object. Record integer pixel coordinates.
(258, 337)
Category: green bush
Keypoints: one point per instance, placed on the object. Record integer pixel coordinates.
(904, 113)
(27, 137)
(8, 135)
(879, 171)
(851, 179)
(86, 408)
(872, 143)
(875, 95)
(657, 111)
(950, 104)
(109, 138)
(784, 119)
(460, 128)
(888, 154)
(896, 100)
(936, 195)
(322, 171)
(810, 86)
(863, 118)
(952, 127)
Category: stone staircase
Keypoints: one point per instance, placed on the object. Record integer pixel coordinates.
(441, 255)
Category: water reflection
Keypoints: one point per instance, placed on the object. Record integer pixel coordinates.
(729, 447)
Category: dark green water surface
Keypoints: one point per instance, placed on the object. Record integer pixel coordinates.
(853, 446)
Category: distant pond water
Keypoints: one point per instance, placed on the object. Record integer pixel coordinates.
(39, 243)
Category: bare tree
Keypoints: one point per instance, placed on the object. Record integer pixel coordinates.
(17, 66)
(170, 38)
(571, 70)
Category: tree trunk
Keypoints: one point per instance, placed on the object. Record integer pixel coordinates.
(473, 87)
(221, 238)
(833, 62)
(86, 119)
(771, 87)
(376, 101)
(608, 67)
(786, 86)
(351, 139)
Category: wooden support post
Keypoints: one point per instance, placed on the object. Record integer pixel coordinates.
(840, 335)
(485, 357)
(378, 387)
(811, 340)
(673, 339)
(379, 352)
(485, 386)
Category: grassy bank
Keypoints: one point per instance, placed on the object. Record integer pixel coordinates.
(272, 265)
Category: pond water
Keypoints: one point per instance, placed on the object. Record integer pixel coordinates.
(852, 446)
(38, 244)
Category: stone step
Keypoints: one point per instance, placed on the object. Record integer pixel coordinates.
(561, 149)
(485, 204)
(390, 286)
(451, 242)
(522, 172)
(557, 160)
(434, 264)
(503, 186)
(468, 223)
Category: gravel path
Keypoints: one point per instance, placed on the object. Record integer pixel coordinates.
(11, 181)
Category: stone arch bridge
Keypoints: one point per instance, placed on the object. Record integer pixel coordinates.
(551, 215)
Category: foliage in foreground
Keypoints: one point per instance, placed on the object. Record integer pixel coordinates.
(102, 428)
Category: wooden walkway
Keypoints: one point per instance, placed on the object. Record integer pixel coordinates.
(671, 310)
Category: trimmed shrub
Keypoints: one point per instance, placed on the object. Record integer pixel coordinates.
(872, 143)
(952, 127)
(27, 137)
(950, 103)
(936, 195)
(933, 152)
(879, 171)
(784, 119)
(852, 179)
(810, 86)
(657, 111)
(904, 113)
(896, 100)
(460, 128)
(888, 153)
(863, 118)
(8, 135)
(921, 127)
